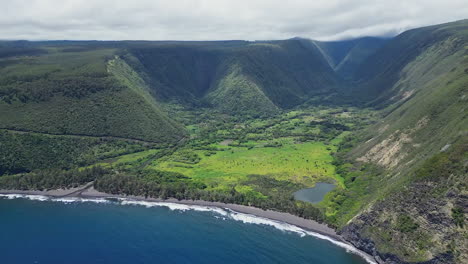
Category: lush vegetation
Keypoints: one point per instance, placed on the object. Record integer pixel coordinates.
(75, 91)
(259, 162)
(50, 179)
(253, 122)
(249, 78)
(25, 152)
(163, 184)
(383, 69)
(250, 161)
(411, 163)
(54, 73)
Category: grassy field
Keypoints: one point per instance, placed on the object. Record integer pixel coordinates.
(303, 163)
(295, 147)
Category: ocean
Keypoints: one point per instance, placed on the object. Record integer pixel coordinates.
(39, 230)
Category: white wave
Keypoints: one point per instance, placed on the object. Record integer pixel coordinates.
(175, 206)
(227, 213)
(52, 199)
(252, 219)
(99, 200)
(347, 247)
(25, 196)
(249, 219)
(79, 200)
(65, 200)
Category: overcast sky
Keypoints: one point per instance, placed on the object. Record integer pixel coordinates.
(219, 19)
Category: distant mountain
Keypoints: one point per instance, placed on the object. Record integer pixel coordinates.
(276, 74)
(116, 88)
(379, 73)
(346, 56)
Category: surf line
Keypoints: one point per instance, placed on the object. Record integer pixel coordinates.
(225, 213)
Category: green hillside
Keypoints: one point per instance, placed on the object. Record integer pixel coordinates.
(289, 72)
(235, 93)
(24, 152)
(283, 73)
(381, 71)
(393, 172)
(74, 91)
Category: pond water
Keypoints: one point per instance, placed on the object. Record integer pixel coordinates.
(315, 194)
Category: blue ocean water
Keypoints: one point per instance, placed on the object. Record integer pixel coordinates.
(115, 232)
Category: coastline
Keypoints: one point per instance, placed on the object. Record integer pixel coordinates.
(88, 192)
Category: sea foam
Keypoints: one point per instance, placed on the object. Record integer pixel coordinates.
(43, 198)
(252, 219)
(224, 212)
(175, 206)
(25, 196)
(248, 219)
(79, 200)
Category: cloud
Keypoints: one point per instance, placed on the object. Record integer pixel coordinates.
(219, 19)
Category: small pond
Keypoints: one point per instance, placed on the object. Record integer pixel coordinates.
(315, 194)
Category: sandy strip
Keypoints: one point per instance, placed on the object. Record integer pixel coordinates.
(273, 215)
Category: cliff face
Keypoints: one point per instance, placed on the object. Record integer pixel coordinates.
(424, 222)
(414, 209)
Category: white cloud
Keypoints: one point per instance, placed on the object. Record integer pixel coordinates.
(219, 19)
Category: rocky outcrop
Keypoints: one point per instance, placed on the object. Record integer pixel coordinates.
(352, 233)
(422, 222)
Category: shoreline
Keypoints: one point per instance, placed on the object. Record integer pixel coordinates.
(91, 193)
(88, 192)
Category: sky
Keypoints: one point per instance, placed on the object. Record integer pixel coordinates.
(219, 19)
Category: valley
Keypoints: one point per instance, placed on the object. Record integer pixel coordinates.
(253, 122)
(246, 161)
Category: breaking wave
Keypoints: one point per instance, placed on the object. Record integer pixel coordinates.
(252, 219)
(221, 213)
(43, 198)
(25, 196)
(175, 206)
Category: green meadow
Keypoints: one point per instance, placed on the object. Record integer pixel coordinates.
(303, 163)
(296, 147)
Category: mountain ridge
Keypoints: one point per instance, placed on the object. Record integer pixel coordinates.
(404, 175)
